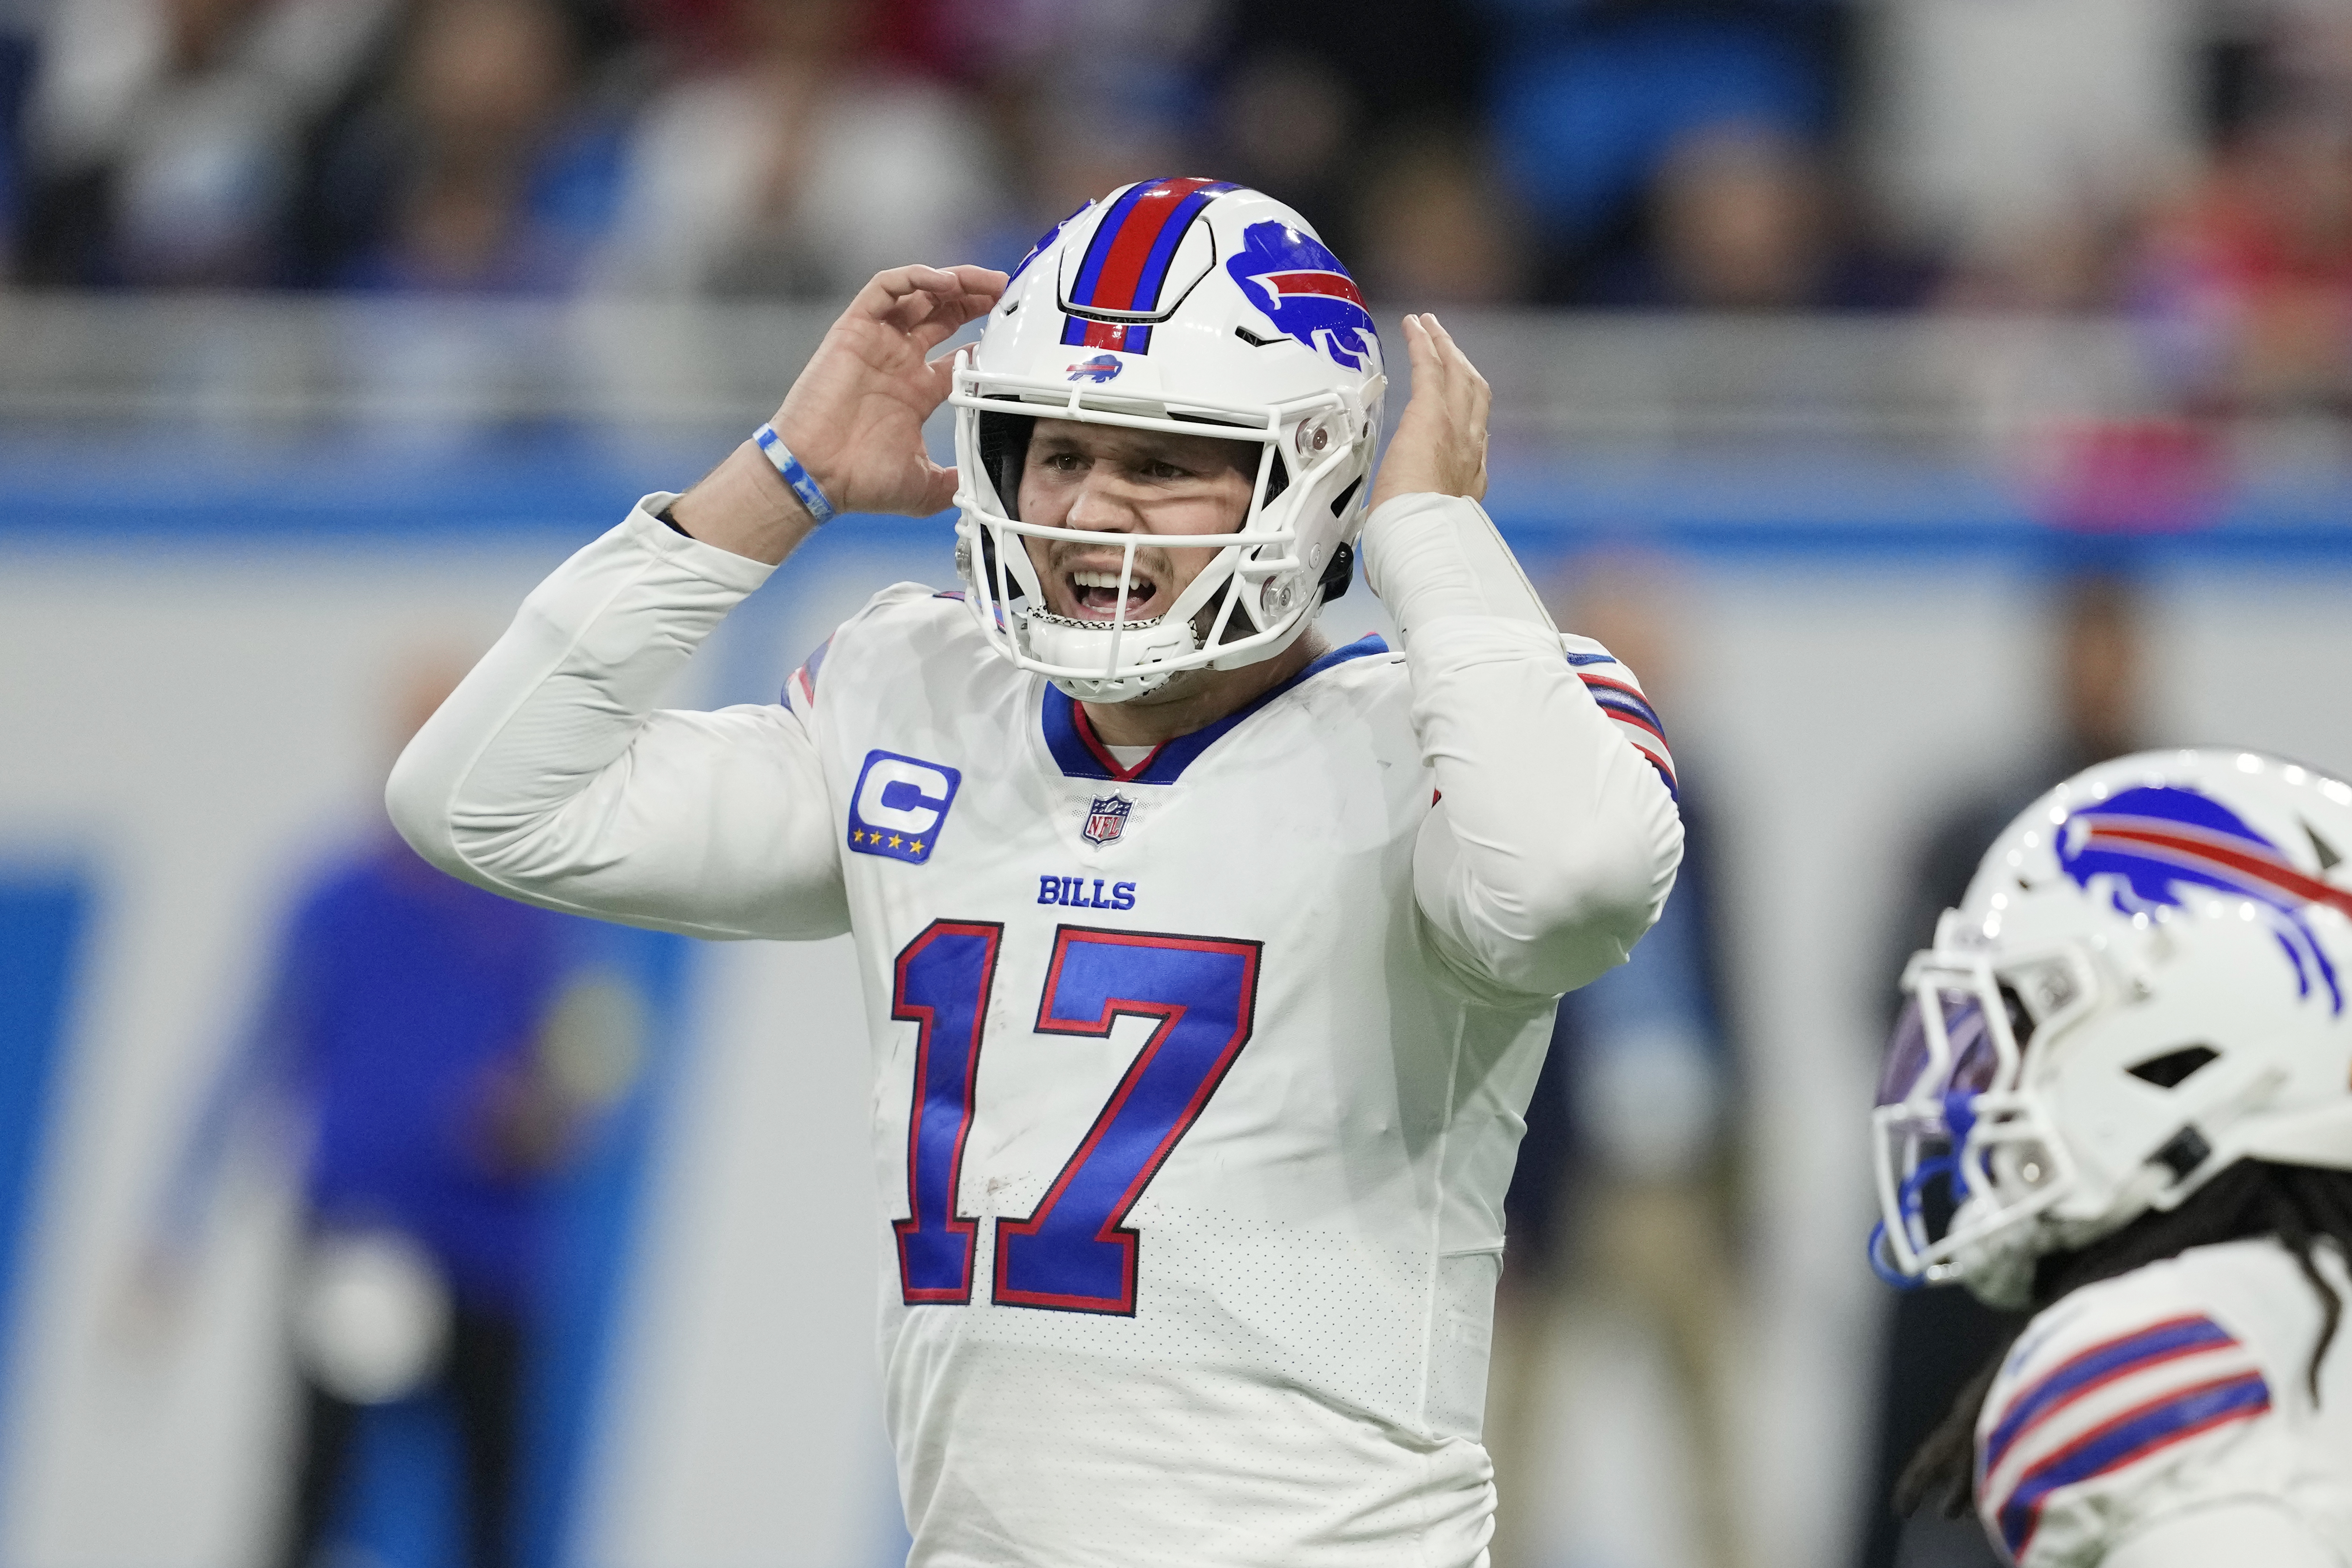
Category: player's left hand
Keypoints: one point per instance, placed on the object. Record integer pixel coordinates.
(1439, 445)
(855, 417)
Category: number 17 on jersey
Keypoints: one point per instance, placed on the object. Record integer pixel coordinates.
(1073, 1252)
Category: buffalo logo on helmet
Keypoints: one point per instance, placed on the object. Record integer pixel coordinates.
(1098, 369)
(1107, 819)
(1302, 288)
(2150, 842)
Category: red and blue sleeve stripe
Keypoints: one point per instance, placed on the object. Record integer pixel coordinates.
(2128, 1439)
(1622, 701)
(803, 679)
(2093, 1369)
(1125, 263)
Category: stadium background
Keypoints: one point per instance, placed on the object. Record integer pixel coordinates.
(1837, 339)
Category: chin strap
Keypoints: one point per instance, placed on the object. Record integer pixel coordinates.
(1430, 557)
(1338, 573)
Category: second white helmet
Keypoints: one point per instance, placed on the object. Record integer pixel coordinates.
(2148, 980)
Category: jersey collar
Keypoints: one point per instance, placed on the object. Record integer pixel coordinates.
(1080, 754)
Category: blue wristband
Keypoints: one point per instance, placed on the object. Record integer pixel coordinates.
(794, 475)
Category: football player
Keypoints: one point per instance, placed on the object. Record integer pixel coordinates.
(2120, 1095)
(1209, 966)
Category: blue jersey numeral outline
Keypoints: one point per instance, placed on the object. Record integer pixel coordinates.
(942, 986)
(1073, 1252)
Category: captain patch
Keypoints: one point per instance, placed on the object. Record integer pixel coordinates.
(899, 805)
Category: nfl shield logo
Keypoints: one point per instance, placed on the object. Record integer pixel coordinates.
(1107, 818)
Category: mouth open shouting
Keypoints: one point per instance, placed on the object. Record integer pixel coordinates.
(1126, 488)
(1089, 589)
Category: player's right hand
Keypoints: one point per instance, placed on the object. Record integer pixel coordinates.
(855, 417)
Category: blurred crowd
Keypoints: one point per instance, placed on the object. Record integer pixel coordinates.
(2188, 160)
(2185, 162)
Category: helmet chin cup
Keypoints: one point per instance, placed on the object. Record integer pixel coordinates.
(1152, 655)
(1997, 1267)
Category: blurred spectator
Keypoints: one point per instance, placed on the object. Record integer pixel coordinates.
(164, 137)
(1590, 101)
(1740, 220)
(2078, 261)
(482, 168)
(1077, 158)
(1435, 225)
(2250, 282)
(1747, 217)
(1938, 1338)
(1286, 122)
(1065, 128)
(439, 1055)
(1318, 101)
(2020, 138)
(1618, 1208)
(801, 168)
(17, 32)
(1072, 131)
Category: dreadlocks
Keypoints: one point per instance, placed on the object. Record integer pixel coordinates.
(2300, 1205)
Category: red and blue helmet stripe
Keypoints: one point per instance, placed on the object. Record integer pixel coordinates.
(1127, 262)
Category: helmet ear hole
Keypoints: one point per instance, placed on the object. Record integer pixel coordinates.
(1004, 450)
(999, 588)
(1240, 624)
(2021, 1019)
(1277, 479)
(2174, 1067)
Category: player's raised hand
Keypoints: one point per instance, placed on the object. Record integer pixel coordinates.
(855, 417)
(1440, 444)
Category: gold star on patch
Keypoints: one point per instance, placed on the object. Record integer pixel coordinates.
(856, 836)
(896, 841)
(917, 846)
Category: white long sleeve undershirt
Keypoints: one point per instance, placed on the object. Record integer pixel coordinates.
(1555, 843)
(550, 775)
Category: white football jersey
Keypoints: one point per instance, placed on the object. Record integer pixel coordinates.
(2180, 1387)
(1197, 1083)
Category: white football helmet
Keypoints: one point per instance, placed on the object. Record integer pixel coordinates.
(2148, 981)
(1202, 309)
